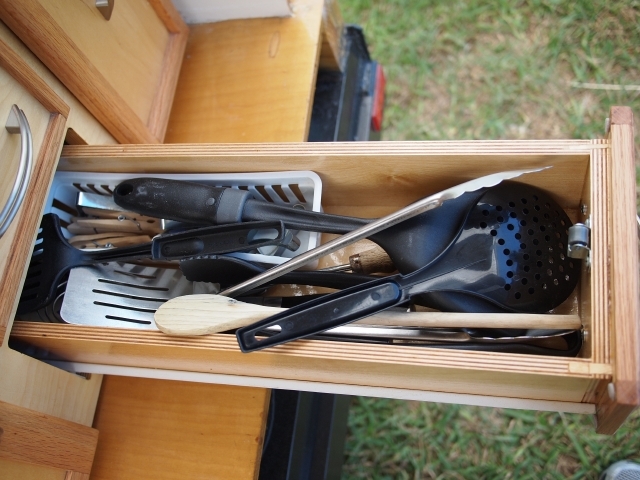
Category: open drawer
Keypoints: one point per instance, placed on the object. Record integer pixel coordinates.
(592, 180)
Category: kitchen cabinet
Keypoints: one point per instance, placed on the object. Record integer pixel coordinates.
(30, 390)
(588, 178)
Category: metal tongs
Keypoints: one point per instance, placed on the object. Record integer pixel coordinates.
(429, 203)
(421, 206)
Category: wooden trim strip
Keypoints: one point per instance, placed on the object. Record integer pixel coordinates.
(29, 216)
(66, 60)
(163, 101)
(335, 388)
(600, 232)
(624, 299)
(179, 34)
(37, 438)
(407, 171)
(170, 17)
(41, 91)
(36, 86)
(76, 476)
(332, 30)
(470, 147)
(96, 345)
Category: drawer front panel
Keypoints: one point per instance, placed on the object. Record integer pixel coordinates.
(124, 70)
(127, 50)
(11, 92)
(46, 113)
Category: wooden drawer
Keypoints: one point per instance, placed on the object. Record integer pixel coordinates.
(124, 70)
(588, 178)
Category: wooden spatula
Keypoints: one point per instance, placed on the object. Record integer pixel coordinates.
(204, 314)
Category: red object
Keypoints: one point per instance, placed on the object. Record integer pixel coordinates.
(378, 100)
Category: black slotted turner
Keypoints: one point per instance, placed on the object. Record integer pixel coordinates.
(508, 256)
(53, 256)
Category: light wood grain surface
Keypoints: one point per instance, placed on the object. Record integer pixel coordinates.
(45, 114)
(118, 77)
(25, 381)
(624, 300)
(127, 50)
(13, 92)
(33, 437)
(38, 386)
(249, 80)
(161, 429)
(178, 34)
(12, 470)
(332, 30)
(79, 119)
(382, 175)
(392, 366)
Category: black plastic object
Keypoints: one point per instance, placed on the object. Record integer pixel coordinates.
(508, 256)
(229, 271)
(304, 437)
(343, 100)
(53, 256)
(188, 202)
(410, 244)
(181, 201)
(220, 239)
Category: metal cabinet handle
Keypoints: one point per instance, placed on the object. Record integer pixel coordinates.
(17, 123)
(105, 7)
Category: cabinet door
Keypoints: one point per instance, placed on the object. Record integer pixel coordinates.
(30, 146)
(124, 69)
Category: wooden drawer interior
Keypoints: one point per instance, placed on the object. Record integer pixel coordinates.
(371, 180)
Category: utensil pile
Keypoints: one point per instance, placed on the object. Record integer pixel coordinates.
(486, 247)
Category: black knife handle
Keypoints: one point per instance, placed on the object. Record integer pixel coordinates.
(216, 240)
(319, 315)
(182, 201)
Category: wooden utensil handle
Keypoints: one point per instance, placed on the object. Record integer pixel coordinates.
(370, 261)
(204, 314)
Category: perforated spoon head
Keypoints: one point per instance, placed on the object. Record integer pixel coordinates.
(520, 233)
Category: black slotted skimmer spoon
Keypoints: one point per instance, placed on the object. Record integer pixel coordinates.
(508, 256)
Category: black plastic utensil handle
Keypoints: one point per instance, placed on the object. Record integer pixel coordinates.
(321, 314)
(182, 201)
(216, 240)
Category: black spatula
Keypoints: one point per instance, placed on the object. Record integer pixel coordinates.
(54, 256)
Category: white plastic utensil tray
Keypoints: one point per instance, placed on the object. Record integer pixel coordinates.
(283, 188)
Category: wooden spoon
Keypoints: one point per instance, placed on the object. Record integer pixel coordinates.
(205, 314)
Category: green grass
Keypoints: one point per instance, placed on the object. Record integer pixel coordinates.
(493, 70)
(476, 69)
(392, 439)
